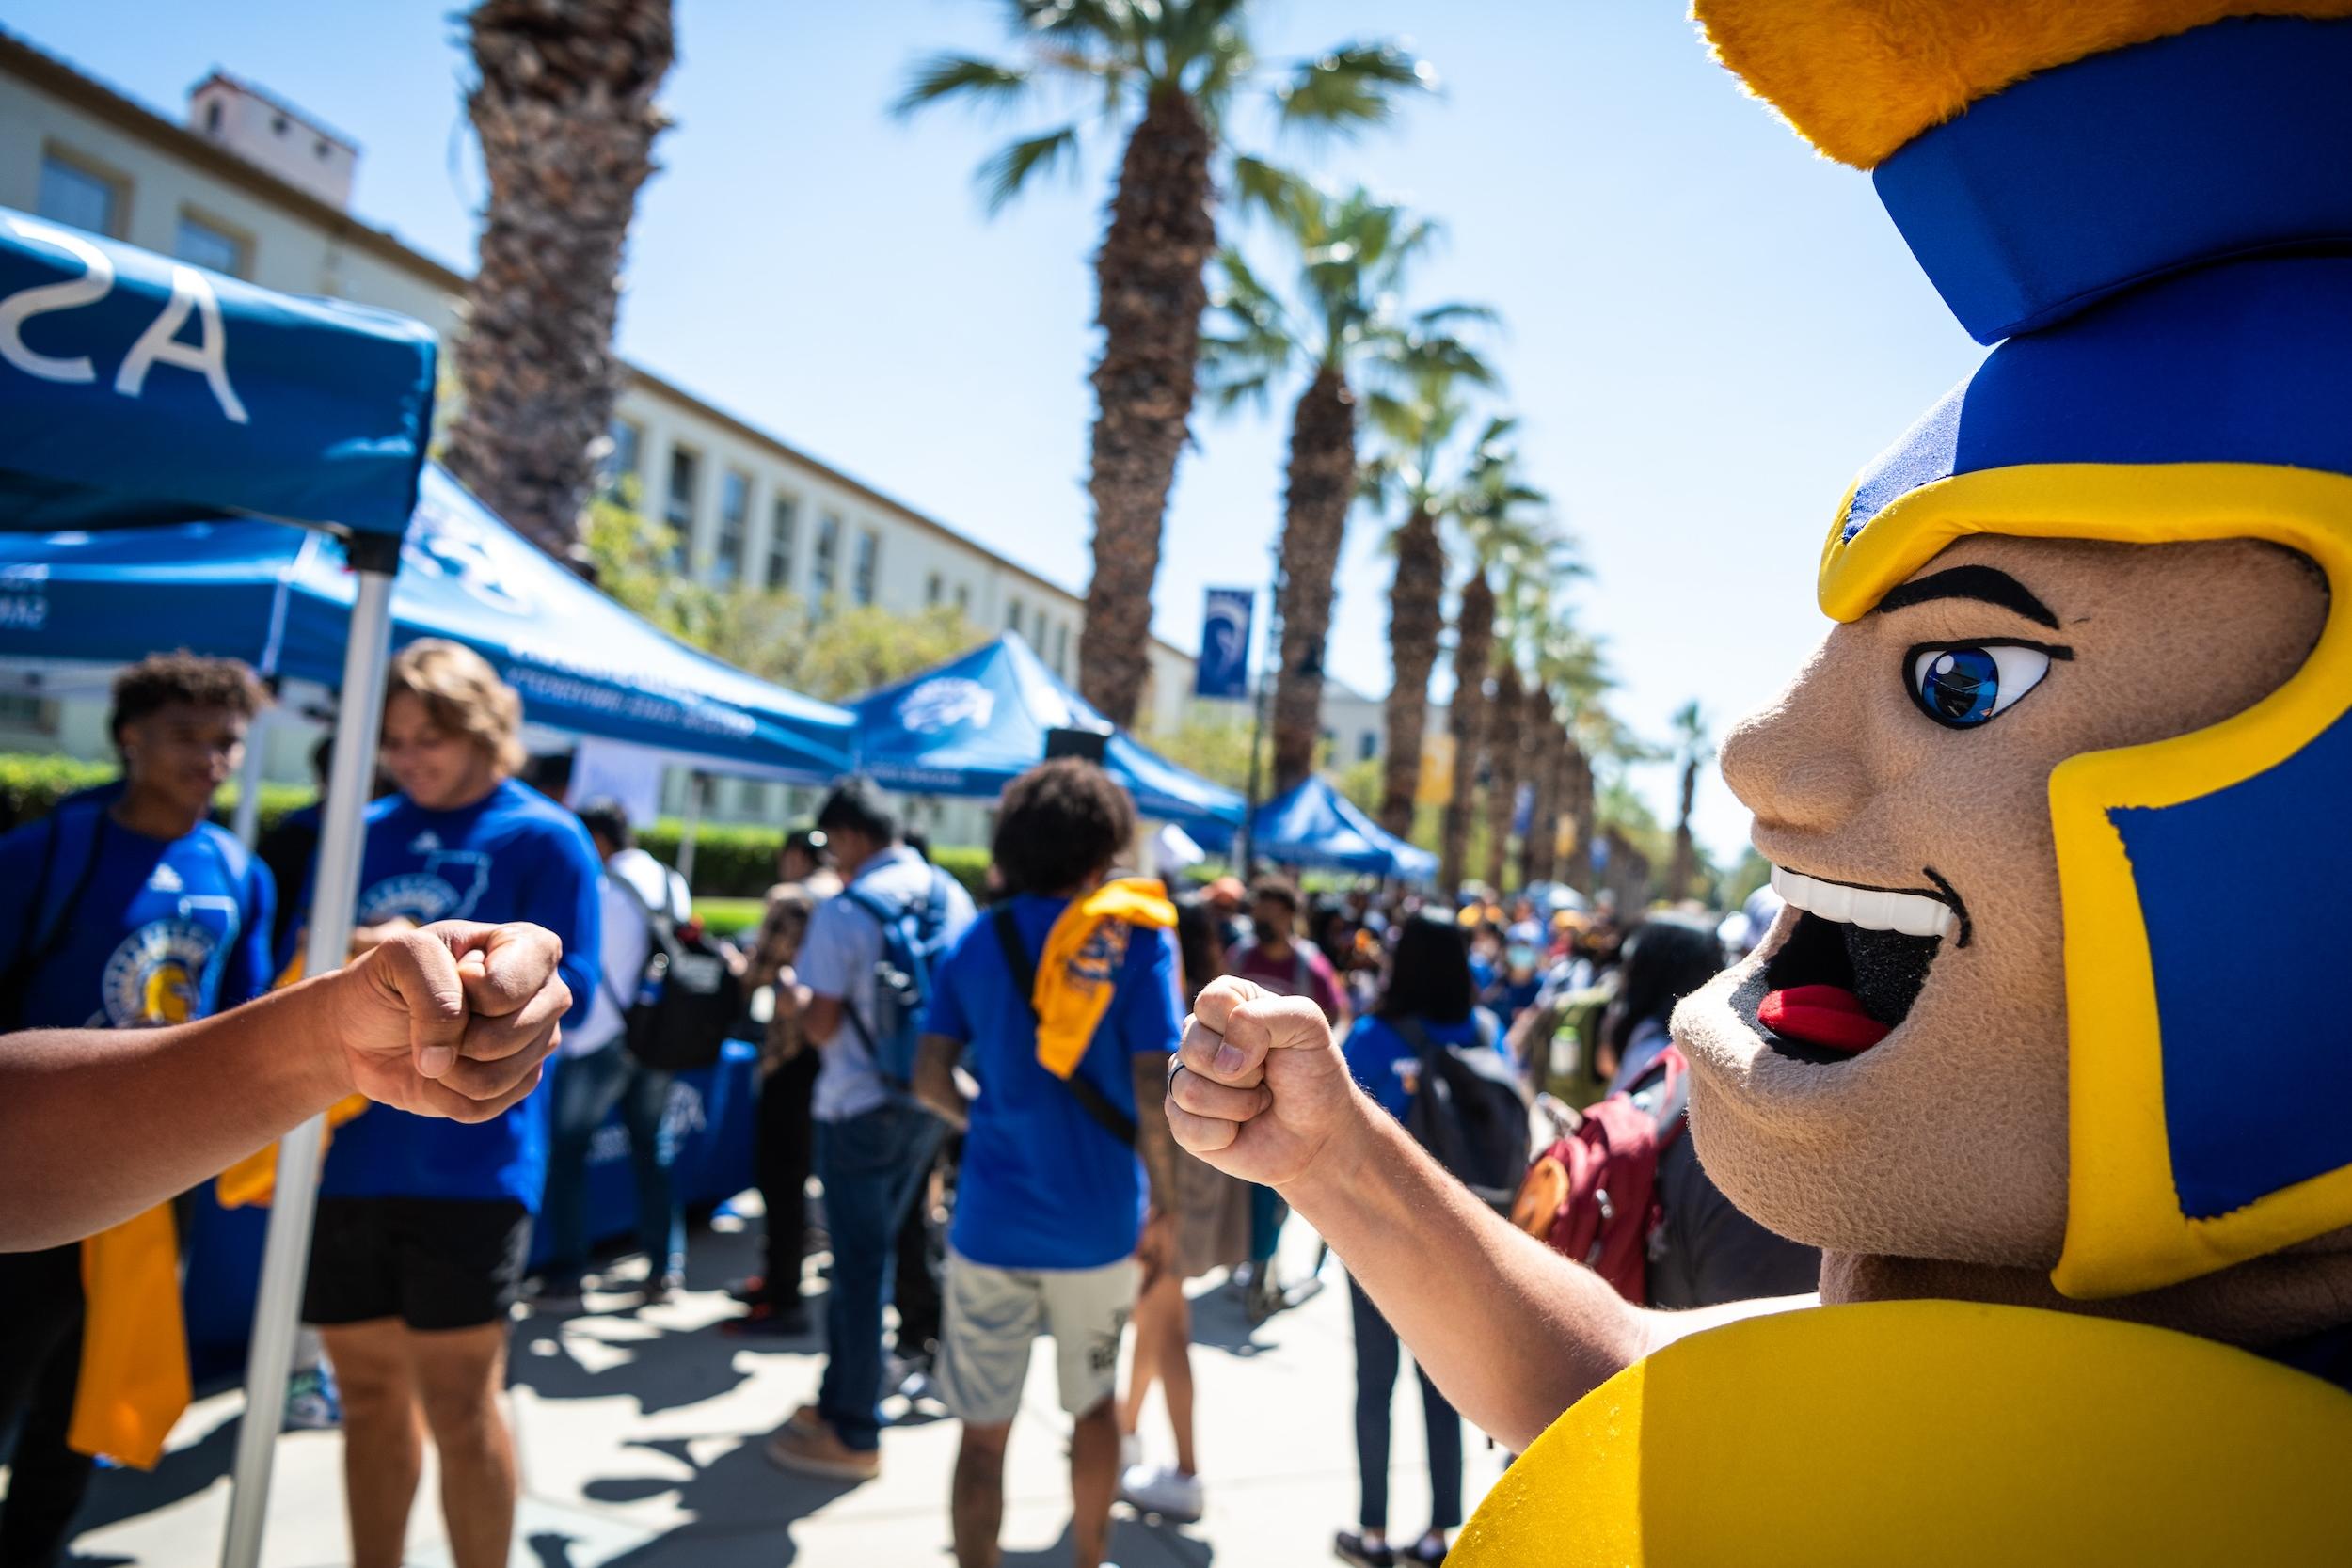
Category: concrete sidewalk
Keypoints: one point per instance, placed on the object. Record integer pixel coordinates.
(641, 1433)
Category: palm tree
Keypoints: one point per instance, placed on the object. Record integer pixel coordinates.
(1505, 715)
(1343, 327)
(1420, 468)
(568, 122)
(1573, 678)
(1167, 72)
(1497, 525)
(1524, 607)
(1693, 748)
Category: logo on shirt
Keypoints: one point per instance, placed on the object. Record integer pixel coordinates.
(165, 879)
(945, 702)
(446, 889)
(158, 974)
(425, 843)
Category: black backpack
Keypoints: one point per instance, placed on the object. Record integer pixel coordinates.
(1469, 1112)
(688, 999)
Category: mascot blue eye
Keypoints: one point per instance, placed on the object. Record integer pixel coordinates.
(1962, 686)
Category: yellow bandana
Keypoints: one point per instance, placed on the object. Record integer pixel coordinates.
(135, 1347)
(1079, 970)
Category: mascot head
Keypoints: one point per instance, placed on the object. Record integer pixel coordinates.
(2062, 806)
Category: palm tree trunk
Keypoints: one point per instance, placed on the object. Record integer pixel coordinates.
(1503, 772)
(1151, 292)
(1473, 649)
(1416, 622)
(1577, 806)
(1541, 739)
(566, 111)
(1322, 487)
(1686, 856)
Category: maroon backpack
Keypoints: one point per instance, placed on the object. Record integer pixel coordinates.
(1592, 1194)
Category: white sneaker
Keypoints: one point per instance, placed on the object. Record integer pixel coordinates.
(1162, 1490)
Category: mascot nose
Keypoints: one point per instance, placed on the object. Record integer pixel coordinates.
(1792, 767)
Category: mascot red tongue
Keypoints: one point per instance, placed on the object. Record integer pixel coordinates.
(1831, 1017)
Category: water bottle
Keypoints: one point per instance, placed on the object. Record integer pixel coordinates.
(657, 977)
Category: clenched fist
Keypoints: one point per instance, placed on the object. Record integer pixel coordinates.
(450, 1021)
(1258, 1088)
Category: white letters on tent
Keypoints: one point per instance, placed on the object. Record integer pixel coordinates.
(190, 294)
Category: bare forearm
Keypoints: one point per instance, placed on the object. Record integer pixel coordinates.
(99, 1124)
(1511, 1331)
(1153, 1142)
(935, 1086)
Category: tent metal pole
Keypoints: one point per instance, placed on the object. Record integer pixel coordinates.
(246, 824)
(697, 787)
(334, 896)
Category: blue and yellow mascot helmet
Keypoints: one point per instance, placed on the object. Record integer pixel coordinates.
(2145, 206)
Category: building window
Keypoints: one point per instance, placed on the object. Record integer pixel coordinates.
(36, 714)
(1367, 745)
(1012, 614)
(934, 587)
(783, 528)
(1061, 650)
(734, 521)
(964, 599)
(625, 442)
(862, 573)
(212, 117)
(80, 198)
(820, 572)
(277, 125)
(214, 250)
(679, 512)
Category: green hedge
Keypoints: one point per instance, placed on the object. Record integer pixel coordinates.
(739, 860)
(31, 785)
(731, 860)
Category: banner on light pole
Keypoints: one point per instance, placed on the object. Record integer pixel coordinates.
(1222, 671)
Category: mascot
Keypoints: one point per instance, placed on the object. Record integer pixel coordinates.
(2045, 1052)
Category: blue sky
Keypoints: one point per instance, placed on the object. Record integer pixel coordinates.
(1710, 328)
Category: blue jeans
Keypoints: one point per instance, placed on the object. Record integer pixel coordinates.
(586, 1089)
(872, 1165)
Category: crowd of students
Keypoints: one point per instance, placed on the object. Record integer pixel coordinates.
(992, 1081)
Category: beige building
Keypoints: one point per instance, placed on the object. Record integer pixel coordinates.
(251, 185)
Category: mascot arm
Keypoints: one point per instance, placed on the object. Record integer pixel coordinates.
(1512, 1332)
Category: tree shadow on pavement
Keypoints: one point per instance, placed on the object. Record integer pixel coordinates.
(661, 1368)
(742, 1507)
(1133, 1543)
(117, 1494)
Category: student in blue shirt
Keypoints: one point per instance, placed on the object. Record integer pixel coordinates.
(124, 909)
(1050, 1233)
(423, 1224)
(1429, 991)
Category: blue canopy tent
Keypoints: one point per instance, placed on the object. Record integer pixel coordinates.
(976, 723)
(137, 389)
(282, 601)
(1315, 825)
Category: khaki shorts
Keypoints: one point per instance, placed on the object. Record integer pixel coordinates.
(993, 1315)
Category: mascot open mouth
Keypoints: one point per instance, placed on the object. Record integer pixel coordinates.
(1853, 965)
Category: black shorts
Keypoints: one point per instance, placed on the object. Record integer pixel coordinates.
(433, 1263)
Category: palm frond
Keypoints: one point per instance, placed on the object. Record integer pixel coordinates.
(1002, 177)
(964, 76)
(1352, 87)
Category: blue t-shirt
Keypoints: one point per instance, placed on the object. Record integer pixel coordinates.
(161, 931)
(1044, 1185)
(1386, 1064)
(514, 855)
